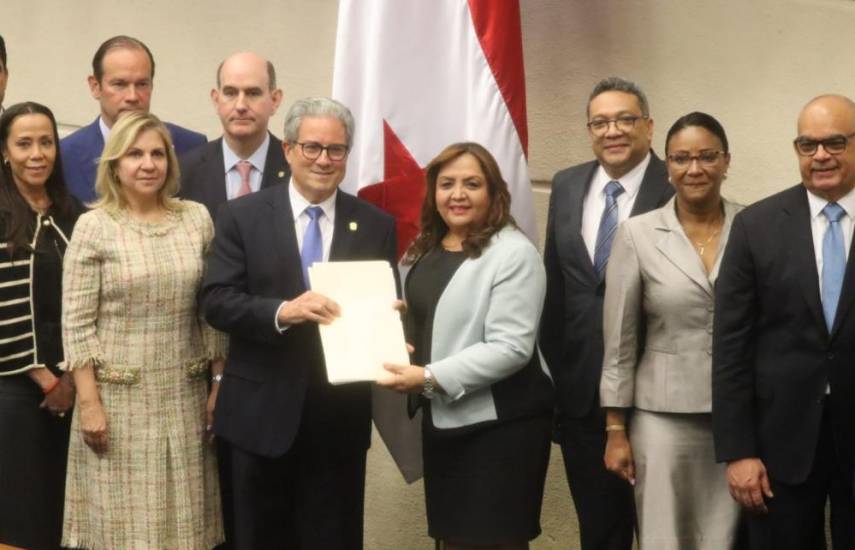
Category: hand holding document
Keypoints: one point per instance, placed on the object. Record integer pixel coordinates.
(369, 331)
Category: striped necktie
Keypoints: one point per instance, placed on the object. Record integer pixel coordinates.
(608, 226)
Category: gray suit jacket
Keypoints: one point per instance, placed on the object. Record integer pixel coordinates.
(658, 316)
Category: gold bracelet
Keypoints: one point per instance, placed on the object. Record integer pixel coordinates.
(615, 428)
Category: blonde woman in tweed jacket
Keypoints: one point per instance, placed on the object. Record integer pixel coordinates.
(139, 472)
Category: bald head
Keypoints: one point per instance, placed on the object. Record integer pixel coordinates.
(247, 60)
(245, 98)
(824, 146)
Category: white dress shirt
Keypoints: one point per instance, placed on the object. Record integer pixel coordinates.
(595, 200)
(299, 204)
(105, 131)
(256, 173)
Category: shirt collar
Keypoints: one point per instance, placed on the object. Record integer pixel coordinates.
(105, 131)
(257, 159)
(299, 202)
(817, 203)
(631, 181)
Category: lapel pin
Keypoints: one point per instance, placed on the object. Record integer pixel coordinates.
(353, 226)
(281, 173)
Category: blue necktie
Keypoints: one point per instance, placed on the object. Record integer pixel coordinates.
(608, 226)
(833, 262)
(313, 243)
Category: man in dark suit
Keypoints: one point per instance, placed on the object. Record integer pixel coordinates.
(584, 209)
(784, 345)
(247, 157)
(122, 80)
(298, 444)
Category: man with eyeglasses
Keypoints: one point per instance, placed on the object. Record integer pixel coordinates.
(297, 444)
(247, 157)
(784, 345)
(586, 205)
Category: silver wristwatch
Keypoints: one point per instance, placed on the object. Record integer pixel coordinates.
(428, 389)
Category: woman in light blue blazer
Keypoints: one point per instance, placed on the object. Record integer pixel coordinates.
(658, 319)
(474, 295)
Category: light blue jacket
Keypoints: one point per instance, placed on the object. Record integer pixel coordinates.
(484, 330)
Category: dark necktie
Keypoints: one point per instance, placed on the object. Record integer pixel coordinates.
(313, 244)
(833, 262)
(608, 226)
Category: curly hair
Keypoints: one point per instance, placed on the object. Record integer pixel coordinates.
(434, 228)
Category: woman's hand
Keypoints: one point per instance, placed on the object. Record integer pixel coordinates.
(93, 426)
(618, 456)
(61, 398)
(403, 378)
(217, 368)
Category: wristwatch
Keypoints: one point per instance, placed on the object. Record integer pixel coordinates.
(428, 389)
(217, 378)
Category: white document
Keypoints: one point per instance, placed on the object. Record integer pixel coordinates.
(369, 331)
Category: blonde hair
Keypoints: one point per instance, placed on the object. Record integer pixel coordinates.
(124, 134)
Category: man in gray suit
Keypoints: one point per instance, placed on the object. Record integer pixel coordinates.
(587, 203)
(247, 157)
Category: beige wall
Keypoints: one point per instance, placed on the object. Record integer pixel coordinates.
(751, 64)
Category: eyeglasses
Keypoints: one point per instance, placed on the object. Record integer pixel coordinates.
(623, 124)
(704, 158)
(312, 150)
(833, 145)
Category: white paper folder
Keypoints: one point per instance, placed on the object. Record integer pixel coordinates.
(369, 331)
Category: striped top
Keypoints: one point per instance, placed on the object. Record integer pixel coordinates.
(19, 349)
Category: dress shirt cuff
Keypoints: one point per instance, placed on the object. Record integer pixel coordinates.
(279, 327)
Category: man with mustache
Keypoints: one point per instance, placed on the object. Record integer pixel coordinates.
(247, 157)
(784, 345)
(586, 205)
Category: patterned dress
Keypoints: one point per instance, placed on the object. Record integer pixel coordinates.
(129, 307)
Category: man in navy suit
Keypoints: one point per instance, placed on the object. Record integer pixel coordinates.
(121, 81)
(571, 330)
(783, 380)
(298, 444)
(247, 157)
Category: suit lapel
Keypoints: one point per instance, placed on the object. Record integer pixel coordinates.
(345, 228)
(847, 294)
(284, 235)
(276, 169)
(215, 187)
(675, 246)
(572, 210)
(800, 239)
(652, 187)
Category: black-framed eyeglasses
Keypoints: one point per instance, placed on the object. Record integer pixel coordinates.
(312, 150)
(623, 124)
(704, 158)
(833, 145)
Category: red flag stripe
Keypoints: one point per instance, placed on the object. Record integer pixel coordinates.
(497, 24)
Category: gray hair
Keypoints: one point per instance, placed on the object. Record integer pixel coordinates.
(317, 107)
(617, 84)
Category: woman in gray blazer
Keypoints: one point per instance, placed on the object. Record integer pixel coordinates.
(474, 296)
(658, 320)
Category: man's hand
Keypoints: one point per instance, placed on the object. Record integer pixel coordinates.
(749, 484)
(308, 306)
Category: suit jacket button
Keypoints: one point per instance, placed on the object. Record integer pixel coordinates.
(830, 356)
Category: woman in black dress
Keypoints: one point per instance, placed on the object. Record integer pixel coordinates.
(474, 295)
(36, 218)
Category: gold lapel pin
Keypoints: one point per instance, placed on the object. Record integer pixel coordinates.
(353, 226)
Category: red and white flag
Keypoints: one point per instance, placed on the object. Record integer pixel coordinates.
(420, 75)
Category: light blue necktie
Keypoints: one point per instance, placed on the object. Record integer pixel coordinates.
(608, 226)
(833, 262)
(313, 243)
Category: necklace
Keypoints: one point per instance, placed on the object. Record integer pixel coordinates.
(702, 246)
